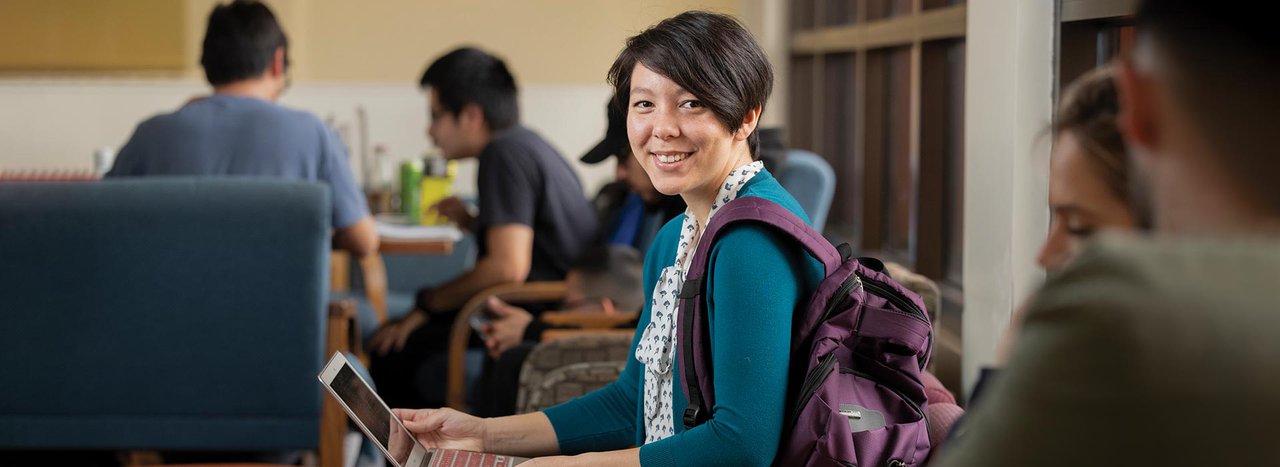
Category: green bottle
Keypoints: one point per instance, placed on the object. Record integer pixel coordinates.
(410, 190)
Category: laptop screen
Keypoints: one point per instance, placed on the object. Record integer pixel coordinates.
(370, 412)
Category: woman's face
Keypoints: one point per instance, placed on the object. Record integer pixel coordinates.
(1080, 201)
(679, 142)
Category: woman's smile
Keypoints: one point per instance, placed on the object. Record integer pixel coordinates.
(670, 160)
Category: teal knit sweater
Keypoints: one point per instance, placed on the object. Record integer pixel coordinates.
(756, 281)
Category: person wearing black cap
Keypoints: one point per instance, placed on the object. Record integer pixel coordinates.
(630, 209)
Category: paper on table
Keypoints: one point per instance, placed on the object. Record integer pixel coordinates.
(389, 231)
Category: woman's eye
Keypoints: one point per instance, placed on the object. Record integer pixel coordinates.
(1081, 231)
(691, 104)
(642, 104)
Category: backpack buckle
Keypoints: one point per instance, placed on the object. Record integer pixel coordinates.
(691, 289)
(691, 415)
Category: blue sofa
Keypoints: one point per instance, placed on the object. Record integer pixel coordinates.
(163, 313)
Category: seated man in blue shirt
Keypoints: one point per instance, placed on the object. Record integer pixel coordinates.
(241, 131)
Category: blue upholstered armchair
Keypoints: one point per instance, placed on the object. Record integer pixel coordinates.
(165, 313)
(810, 179)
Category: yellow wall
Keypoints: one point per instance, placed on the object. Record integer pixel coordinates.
(91, 34)
(543, 41)
(387, 41)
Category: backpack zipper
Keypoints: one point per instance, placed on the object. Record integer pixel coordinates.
(911, 403)
(886, 292)
(811, 383)
(824, 370)
(820, 373)
(842, 295)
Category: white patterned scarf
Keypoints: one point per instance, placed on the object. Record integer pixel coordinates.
(657, 346)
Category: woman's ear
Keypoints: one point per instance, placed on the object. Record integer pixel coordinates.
(749, 123)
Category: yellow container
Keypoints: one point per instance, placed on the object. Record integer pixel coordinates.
(436, 185)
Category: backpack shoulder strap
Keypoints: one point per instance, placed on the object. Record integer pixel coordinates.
(692, 333)
(762, 211)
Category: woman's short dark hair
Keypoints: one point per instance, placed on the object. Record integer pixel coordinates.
(240, 42)
(472, 76)
(1088, 111)
(708, 54)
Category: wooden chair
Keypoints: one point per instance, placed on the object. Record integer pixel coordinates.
(374, 274)
(388, 280)
(587, 319)
(530, 292)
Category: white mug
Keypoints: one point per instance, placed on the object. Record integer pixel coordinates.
(103, 158)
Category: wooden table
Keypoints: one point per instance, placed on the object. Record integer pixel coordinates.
(410, 239)
(421, 247)
(374, 271)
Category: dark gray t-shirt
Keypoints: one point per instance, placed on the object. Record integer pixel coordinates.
(523, 180)
(244, 136)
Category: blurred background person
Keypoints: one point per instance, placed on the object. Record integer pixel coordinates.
(1088, 185)
(239, 130)
(606, 279)
(533, 219)
(1088, 172)
(1135, 345)
(630, 209)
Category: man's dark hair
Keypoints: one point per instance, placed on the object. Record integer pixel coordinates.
(471, 76)
(708, 54)
(1222, 62)
(240, 42)
(614, 272)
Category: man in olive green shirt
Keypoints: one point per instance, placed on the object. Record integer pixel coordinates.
(1165, 350)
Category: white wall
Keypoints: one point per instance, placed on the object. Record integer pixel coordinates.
(57, 124)
(1008, 102)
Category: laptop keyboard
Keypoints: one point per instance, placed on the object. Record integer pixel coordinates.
(455, 458)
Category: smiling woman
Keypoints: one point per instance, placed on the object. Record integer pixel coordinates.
(677, 110)
(693, 87)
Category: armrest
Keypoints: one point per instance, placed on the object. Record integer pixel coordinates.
(340, 338)
(588, 319)
(372, 270)
(455, 390)
(375, 285)
(339, 271)
(553, 334)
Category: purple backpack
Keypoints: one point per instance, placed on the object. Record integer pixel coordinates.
(855, 396)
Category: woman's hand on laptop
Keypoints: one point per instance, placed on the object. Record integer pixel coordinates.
(444, 428)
